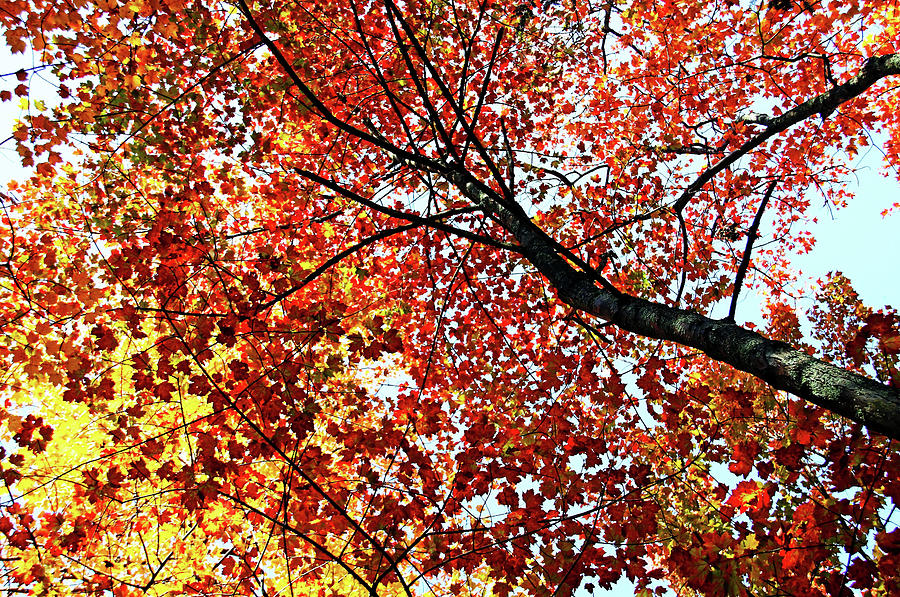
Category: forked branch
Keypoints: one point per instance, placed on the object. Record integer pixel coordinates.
(874, 69)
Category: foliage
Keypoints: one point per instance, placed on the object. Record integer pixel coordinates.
(340, 297)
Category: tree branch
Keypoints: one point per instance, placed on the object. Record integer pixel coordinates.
(322, 110)
(778, 364)
(745, 260)
(781, 366)
(874, 69)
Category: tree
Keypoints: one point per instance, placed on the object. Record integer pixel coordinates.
(408, 298)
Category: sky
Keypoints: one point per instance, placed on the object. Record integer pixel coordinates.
(858, 241)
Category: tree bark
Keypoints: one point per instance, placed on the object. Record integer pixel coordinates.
(846, 393)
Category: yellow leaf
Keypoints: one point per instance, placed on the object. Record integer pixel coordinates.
(750, 543)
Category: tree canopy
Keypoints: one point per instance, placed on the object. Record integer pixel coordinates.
(441, 297)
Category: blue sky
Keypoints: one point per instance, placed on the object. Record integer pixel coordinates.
(858, 241)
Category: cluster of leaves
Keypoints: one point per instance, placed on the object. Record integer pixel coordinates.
(259, 335)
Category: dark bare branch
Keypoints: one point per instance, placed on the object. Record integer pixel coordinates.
(874, 69)
(745, 261)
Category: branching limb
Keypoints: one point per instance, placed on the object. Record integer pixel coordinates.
(484, 89)
(873, 70)
(324, 267)
(396, 16)
(322, 110)
(433, 221)
(783, 367)
(320, 547)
